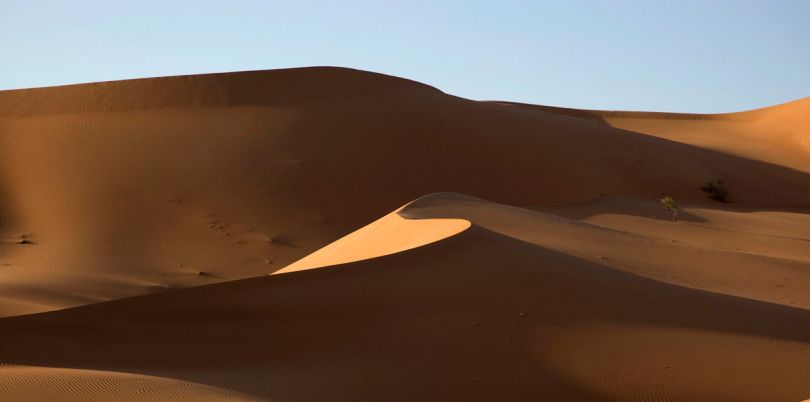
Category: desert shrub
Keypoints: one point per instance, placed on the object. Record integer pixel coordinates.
(716, 190)
(670, 204)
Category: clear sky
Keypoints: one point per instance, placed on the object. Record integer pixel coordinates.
(690, 56)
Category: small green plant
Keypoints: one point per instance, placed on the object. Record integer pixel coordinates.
(671, 205)
(716, 190)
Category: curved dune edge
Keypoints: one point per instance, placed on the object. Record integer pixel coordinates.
(527, 308)
(774, 134)
(756, 265)
(68, 384)
(390, 234)
(801, 105)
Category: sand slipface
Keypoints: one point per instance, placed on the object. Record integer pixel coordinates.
(388, 235)
(562, 278)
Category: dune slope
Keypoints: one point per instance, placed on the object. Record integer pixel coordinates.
(778, 134)
(757, 255)
(488, 313)
(116, 189)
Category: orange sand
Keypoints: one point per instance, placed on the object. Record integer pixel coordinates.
(187, 192)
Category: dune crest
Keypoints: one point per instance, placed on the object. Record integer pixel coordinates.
(390, 234)
(777, 134)
(515, 307)
(282, 87)
(751, 260)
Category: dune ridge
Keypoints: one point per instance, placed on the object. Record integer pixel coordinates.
(143, 222)
(798, 106)
(139, 186)
(778, 134)
(388, 235)
(296, 86)
(746, 262)
(516, 319)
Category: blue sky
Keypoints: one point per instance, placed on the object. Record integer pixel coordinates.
(689, 56)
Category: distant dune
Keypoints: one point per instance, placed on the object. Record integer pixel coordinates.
(187, 192)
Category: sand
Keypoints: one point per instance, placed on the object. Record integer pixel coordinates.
(390, 234)
(53, 384)
(232, 236)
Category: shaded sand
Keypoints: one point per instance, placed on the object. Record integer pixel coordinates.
(141, 186)
(481, 315)
(746, 259)
(56, 384)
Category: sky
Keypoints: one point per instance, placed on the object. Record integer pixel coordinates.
(702, 56)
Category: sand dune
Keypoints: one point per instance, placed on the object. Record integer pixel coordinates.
(565, 280)
(743, 261)
(777, 134)
(480, 315)
(138, 186)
